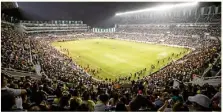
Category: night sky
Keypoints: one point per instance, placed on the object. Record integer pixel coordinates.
(92, 13)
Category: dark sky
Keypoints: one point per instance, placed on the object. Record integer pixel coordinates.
(92, 13)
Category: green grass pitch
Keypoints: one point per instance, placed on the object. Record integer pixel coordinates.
(118, 57)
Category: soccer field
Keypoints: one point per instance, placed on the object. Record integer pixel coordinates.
(118, 57)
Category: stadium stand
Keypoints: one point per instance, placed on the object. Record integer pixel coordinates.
(7, 5)
(48, 80)
(53, 26)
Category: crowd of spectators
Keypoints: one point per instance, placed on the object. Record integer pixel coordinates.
(15, 49)
(43, 27)
(65, 86)
(185, 30)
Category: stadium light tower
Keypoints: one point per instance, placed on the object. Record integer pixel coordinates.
(161, 7)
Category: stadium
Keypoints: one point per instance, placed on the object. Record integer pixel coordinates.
(135, 57)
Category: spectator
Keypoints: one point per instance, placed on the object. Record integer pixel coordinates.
(102, 105)
(9, 100)
(16, 92)
(200, 102)
(120, 107)
(66, 86)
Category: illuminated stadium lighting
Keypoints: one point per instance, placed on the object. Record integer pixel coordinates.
(162, 7)
(16, 4)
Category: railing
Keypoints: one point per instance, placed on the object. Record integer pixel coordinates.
(210, 67)
(6, 22)
(9, 18)
(219, 73)
(215, 77)
(215, 81)
(20, 73)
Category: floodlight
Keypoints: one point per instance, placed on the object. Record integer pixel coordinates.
(16, 4)
(162, 7)
(187, 4)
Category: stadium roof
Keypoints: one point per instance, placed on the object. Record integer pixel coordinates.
(8, 5)
(92, 13)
